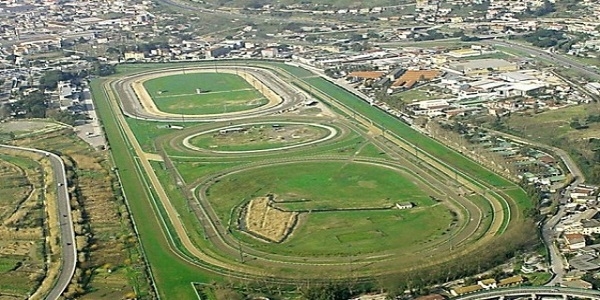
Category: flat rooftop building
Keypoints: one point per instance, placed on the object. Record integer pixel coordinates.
(484, 66)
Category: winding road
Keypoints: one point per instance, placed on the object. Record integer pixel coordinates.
(67, 232)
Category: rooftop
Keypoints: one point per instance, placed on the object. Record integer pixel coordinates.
(510, 280)
(367, 74)
(467, 289)
(475, 64)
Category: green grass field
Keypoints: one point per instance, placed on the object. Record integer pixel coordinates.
(312, 186)
(259, 137)
(220, 93)
(326, 185)
(358, 232)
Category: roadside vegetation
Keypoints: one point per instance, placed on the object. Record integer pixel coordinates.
(109, 261)
(576, 126)
(23, 225)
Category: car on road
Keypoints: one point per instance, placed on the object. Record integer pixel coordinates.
(60, 184)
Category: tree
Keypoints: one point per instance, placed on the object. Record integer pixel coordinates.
(34, 105)
(50, 79)
(327, 292)
(100, 69)
(546, 8)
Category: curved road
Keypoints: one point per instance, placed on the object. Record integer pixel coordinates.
(67, 233)
(558, 59)
(548, 232)
(528, 291)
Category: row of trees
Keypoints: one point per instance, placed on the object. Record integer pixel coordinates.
(545, 38)
(521, 236)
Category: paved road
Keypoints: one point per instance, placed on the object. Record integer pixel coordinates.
(528, 291)
(557, 58)
(67, 233)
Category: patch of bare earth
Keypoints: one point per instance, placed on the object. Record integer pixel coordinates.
(268, 222)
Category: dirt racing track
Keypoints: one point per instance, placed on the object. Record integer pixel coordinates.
(477, 223)
(137, 102)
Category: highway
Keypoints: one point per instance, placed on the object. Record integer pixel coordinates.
(528, 291)
(67, 233)
(558, 58)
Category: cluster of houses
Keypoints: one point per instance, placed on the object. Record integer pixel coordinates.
(495, 86)
(29, 27)
(516, 160)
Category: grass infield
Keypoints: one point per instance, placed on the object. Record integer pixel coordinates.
(219, 93)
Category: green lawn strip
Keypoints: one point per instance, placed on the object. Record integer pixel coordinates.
(487, 213)
(8, 263)
(344, 146)
(519, 196)
(538, 278)
(171, 273)
(15, 283)
(298, 72)
(370, 150)
(205, 104)
(506, 211)
(191, 171)
(181, 204)
(23, 162)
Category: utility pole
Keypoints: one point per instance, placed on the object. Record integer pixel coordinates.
(241, 251)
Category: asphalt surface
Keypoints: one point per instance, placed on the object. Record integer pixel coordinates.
(67, 233)
(556, 58)
(528, 291)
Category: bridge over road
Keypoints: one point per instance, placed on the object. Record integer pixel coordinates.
(533, 292)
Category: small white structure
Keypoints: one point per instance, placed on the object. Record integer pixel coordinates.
(404, 205)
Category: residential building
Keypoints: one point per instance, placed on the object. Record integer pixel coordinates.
(216, 51)
(574, 240)
(134, 55)
(465, 290)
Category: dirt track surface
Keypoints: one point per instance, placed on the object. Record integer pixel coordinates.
(150, 107)
(217, 233)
